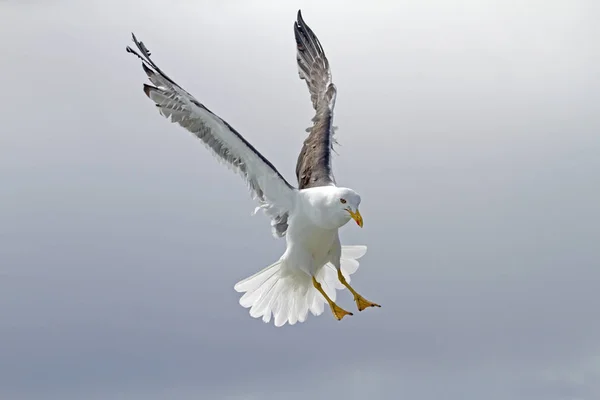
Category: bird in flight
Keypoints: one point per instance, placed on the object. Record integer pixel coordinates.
(314, 264)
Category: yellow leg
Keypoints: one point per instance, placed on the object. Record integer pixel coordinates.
(337, 311)
(361, 302)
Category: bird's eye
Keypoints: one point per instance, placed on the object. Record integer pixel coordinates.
(343, 201)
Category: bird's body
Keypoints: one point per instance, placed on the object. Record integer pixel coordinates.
(312, 237)
(314, 263)
(313, 248)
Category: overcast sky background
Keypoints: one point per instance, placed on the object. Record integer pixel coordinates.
(470, 128)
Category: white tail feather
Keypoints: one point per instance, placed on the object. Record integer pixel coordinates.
(288, 295)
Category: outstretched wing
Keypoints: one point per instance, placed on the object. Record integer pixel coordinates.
(274, 194)
(314, 162)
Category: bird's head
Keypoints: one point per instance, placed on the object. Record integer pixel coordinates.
(344, 202)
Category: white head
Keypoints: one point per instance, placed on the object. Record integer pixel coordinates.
(341, 205)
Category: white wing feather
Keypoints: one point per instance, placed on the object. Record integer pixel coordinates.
(274, 194)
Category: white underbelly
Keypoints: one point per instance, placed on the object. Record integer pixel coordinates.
(319, 243)
(309, 247)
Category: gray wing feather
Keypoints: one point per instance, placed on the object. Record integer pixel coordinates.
(314, 162)
(274, 194)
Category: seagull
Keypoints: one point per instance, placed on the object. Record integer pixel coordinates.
(309, 216)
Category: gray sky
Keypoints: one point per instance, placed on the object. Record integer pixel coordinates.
(470, 128)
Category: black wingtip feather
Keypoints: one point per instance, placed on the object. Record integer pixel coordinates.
(148, 89)
(147, 70)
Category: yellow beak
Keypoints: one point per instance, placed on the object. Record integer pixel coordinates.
(356, 216)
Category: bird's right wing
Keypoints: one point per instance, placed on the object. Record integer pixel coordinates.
(274, 194)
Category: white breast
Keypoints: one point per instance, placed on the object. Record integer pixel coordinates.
(308, 243)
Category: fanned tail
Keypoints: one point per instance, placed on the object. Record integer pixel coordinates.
(288, 295)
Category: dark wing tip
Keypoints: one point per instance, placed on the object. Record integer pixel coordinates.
(147, 70)
(137, 42)
(148, 89)
(299, 20)
(300, 29)
(303, 33)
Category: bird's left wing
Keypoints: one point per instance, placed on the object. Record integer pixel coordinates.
(274, 194)
(314, 162)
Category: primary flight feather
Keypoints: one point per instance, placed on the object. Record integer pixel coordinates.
(314, 264)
